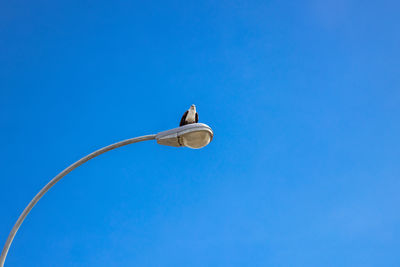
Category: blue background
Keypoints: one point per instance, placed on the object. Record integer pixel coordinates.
(303, 97)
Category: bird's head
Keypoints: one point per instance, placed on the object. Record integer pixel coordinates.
(193, 107)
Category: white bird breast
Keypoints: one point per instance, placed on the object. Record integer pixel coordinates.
(191, 116)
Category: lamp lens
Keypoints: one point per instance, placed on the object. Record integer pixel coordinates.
(196, 139)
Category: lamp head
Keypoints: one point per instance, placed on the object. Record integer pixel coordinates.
(194, 135)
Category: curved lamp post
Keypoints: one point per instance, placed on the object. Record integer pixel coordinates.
(196, 135)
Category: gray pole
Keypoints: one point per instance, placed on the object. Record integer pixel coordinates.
(58, 178)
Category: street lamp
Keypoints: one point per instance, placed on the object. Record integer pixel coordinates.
(195, 135)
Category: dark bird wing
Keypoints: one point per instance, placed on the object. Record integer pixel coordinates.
(197, 118)
(183, 118)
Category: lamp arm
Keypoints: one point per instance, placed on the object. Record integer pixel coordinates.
(58, 178)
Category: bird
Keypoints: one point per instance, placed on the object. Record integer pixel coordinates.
(190, 116)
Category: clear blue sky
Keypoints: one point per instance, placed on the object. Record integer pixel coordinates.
(303, 97)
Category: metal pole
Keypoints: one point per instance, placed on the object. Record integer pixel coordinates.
(58, 178)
